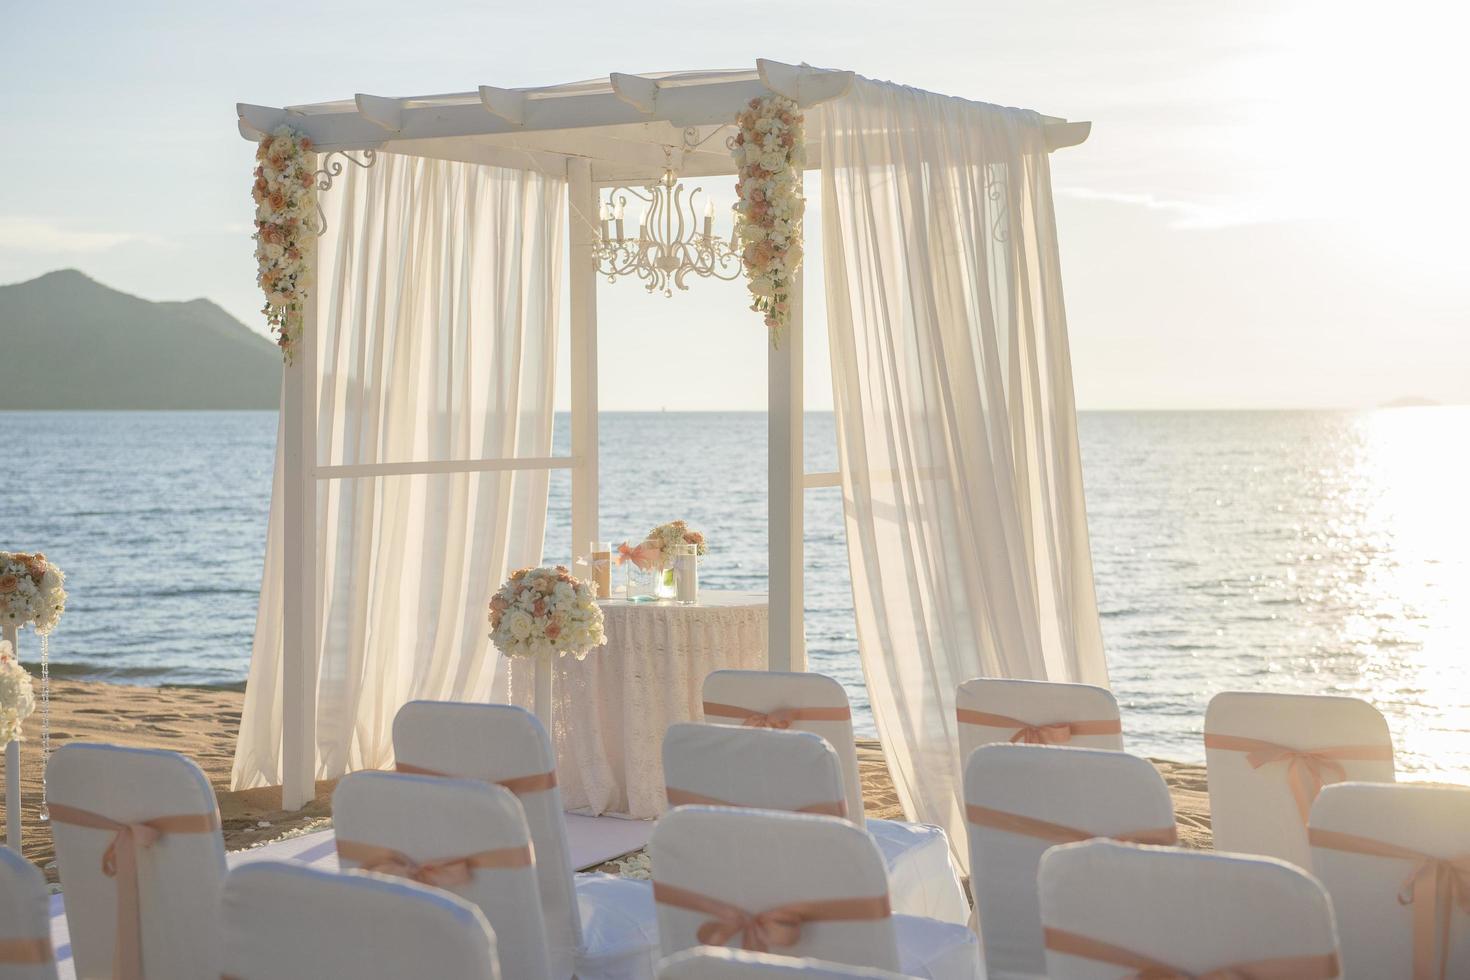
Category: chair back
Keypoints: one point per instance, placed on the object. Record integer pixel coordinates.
(288, 921)
(794, 701)
(467, 837)
(163, 908)
(1367, 840)
(1111, 909)
(717, 870)
(25, 925)
(989, 710)
(503, 744)
(1260, 792)
(1021, 800)
(720, 963)
(717, 765)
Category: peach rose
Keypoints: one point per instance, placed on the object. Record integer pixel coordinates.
(8, 584)
(552, 631)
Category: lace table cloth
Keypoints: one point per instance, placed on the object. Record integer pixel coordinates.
(611, 709)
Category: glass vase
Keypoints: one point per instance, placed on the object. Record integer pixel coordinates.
(664, 587)
(640, 584)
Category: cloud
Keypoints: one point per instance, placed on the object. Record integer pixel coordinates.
(40, 235)
(1186, 214)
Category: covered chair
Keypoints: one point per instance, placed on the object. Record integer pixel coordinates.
(719, 963)
(25, 937)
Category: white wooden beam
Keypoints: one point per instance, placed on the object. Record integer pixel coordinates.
(583, 400)
(805, 85)
(639, 92)
(1063, 134)
(507, 103)
(385, 113)
(785, 497)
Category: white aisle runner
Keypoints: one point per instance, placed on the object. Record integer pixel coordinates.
(590, 840)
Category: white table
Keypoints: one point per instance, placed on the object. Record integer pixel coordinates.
(611, 709)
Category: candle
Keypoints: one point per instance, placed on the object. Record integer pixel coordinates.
(709, 219)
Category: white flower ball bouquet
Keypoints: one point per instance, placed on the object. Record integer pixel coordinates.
(32, 591)
(17, 699)
(543, 611)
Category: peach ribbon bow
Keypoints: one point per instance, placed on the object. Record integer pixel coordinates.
(779, 926)
(680, 797)
(1435, 887)
(1307, 770)
(450, 872)
(1056, 833)
(120, 861)
(1311, 967)
(25, 952)
(778, 718)
(1047, 733)
(519, 785)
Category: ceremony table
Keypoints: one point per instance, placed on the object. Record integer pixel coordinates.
(611, 709)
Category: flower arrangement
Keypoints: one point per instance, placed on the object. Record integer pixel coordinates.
(32, 591)
(545, 611)
(769, 154)
(17, 700)
(285, 231)
(668, 537)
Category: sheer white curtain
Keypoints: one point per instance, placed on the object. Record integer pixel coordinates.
(438, 285)
(962, 481)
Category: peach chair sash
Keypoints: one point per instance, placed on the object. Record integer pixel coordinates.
(1307, 770)
(25, 952)
(779, 926)
(451, 872)
(1047, 733)
(680, 797)
(120, 861)
(1434, 887)
(779, 718)
(1056, 833)
(519, 785)
(1322, 966)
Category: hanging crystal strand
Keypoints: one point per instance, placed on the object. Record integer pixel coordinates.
(45, 720)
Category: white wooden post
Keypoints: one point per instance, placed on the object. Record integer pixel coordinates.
(786, 493)
(300, 606)
(12, 763)
(582, 277)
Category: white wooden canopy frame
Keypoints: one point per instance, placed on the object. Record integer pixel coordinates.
(596, 134)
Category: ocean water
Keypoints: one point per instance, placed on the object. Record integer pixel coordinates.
(1297, 551)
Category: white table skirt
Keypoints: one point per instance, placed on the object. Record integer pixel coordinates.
(611, 709)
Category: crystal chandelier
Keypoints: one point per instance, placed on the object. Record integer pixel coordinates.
(671, 244)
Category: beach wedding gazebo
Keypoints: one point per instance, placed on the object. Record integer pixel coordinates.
(416, 278)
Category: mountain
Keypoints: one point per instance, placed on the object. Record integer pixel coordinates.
(69, 342)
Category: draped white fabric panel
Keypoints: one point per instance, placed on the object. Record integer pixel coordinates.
(438, 285)
(962, 480)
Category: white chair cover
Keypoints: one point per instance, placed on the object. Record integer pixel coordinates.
(757, 861)
(1190, 911)
(719, 963)
(1377, 928)
(289, 922)
(427, 820)
(1258, 810)
(983, 704)
(1094, 791)
(924, 880)
(752, 767)
(178, 877)
(598, 926)
(25, 925)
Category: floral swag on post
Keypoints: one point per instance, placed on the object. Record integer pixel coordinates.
(285, 231)
(17, 698)
(769, 152)
(543, 611)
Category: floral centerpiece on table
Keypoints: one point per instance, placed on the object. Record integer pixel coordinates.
(285, 231)
(769, 152)
(544, 611)
(32, 591)
(668, 537)
(17, 699)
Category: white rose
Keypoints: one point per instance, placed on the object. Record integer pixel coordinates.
(520, 623)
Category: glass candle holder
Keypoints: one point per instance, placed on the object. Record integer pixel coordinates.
(686, 574)
(600, 554)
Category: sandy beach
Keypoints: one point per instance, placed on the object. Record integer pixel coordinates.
(202, 724)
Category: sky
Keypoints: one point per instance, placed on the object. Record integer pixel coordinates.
(1272, 209)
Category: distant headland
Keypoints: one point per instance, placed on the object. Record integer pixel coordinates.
(70, 342)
